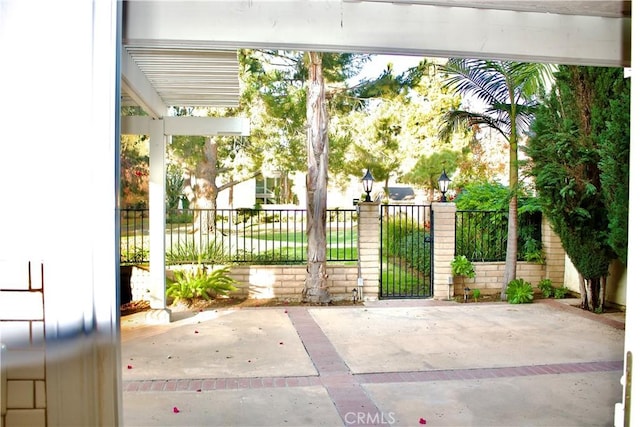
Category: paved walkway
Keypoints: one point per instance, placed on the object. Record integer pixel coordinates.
(399, 363)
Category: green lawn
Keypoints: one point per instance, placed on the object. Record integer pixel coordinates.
(397, 280)
(333, 237)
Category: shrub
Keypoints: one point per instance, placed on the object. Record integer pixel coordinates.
(135, 254)
(519, 292)
(461, 266)
(476, 294)
(546, 287)
(414, 250)
(533, 251)
(560, 293)
(406, 239)
(179, 217)
(200, 282)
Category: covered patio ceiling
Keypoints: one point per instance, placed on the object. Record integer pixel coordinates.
(184, 53)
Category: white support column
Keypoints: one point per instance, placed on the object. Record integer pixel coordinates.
(627, 412)
(67, 202)
(157, 172)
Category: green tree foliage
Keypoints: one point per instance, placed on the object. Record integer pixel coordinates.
(493, 196)
(506, 90)
(372, 120)
(427, 169)
(174, 185)
(483, 232)
(275, 93)
(613, 145)
(579, 154)
(377, 149)
(134, 171)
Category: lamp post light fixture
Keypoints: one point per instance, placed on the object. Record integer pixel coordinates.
(443, 183)
(466, 293)
(367, 184)
(355, 294)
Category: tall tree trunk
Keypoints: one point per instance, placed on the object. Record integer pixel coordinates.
(511, 259)
(584, 302)
(602, 294)
(315, 289)
(206, 190)
(590, 294)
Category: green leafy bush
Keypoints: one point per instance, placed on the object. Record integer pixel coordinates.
(461, 266)
(406, 240)
(533, 251)
(476, 294)
(560, 293)
(546, 287)
(179, 217)
(134, 255)
(200, 282)
(519, 292)
(414, 250)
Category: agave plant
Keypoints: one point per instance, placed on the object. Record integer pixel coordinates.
(200, 282)
(519, 292)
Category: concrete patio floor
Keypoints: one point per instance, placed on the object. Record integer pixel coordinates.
(403, 363)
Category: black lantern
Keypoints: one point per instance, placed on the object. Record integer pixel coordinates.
(443, 183)
(367, 184)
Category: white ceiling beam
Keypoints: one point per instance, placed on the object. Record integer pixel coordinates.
(135, 125)
(206, 126)
(384, 28)
(194, 126)
(137, 86)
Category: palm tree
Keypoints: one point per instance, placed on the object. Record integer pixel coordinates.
(507, 89)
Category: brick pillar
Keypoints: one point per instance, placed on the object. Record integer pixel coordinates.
(444, 245)
(554, 254)
(369, 249)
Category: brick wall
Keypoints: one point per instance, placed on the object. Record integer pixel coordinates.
(284, 282)
(489, 277)
(22, 362)
(287, 282)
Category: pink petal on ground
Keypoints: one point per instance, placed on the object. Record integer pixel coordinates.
(175, 410)
(422, 421)
(129, 367)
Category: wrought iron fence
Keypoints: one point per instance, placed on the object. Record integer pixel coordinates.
(482, 235)
(405, 251)
(261, 236)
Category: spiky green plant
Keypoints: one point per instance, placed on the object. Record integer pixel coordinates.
(200, 282)
(519, 292)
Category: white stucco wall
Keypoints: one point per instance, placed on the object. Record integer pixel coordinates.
(616, 282)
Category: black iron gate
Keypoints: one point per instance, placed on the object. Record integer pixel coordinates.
(406, 261)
